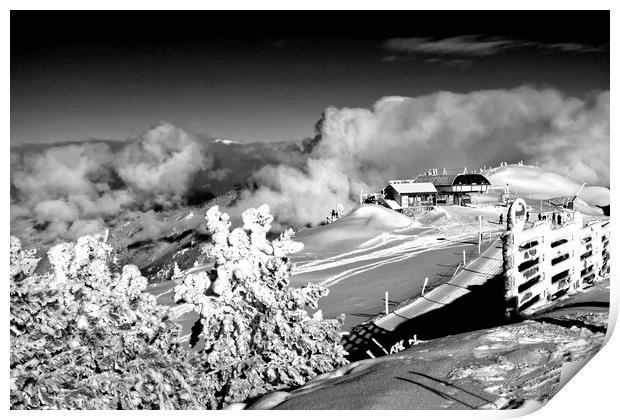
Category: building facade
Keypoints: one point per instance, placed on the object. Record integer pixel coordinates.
(454, 188)
(406, 193)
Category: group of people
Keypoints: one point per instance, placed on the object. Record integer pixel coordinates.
(556, 219)
(527, 218)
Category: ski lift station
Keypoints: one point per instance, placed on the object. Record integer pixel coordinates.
(450, 187)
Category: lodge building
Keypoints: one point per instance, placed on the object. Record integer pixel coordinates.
(452, 186)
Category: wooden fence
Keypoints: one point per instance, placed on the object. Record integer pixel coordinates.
(547, 260)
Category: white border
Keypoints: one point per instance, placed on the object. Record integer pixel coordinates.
(591, 394)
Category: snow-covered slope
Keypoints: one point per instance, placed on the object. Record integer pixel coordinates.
(357, 227)
(498, 367)
(543, 184)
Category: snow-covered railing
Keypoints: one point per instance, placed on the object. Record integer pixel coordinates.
(544, 261)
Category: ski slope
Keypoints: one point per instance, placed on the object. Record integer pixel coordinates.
(380, 250)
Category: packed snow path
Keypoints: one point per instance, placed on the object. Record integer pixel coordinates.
(478, 272)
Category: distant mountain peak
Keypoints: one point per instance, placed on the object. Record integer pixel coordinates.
(227, 141)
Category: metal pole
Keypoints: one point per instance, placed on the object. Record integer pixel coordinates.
(479, 233)
(424, 287)
(464, 261)
(386, 303)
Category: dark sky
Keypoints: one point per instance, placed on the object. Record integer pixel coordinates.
(267, 76)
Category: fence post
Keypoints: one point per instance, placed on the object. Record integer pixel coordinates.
(424, 287)
(515, 220)
(464, 262)
(380, 346)
(575, 240)
(605, 232)
(510, 297)
(547, 256)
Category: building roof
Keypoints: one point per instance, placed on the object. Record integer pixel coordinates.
(450, 180)
(413, 187)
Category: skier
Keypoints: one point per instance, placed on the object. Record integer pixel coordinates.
(527, 216)
(553, 219)
(559, 219)
(501, 219)
(539, 217)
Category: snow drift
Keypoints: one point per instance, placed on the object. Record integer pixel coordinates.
(352, 230)
(544, 184)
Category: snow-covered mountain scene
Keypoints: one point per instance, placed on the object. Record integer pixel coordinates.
(375, 211)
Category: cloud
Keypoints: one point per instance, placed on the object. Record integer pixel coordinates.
(160, 164)
(76, 188)
(462, 45)
(576, 47)
(476, 46)
(72, 188)
(400, 137)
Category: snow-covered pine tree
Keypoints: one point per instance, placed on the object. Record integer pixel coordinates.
(83, 337)
(257, 334)
(336, 213)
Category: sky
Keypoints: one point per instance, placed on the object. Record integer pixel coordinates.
(268, 76)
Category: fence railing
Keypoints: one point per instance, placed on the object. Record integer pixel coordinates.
(547, 260)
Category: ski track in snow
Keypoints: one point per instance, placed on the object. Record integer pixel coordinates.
(402, 249)
(361, 269)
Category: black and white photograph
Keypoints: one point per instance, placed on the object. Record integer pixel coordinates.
(307, 209)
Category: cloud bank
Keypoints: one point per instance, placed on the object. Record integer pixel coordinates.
(400, 137)
(71, 189)
(74, 189)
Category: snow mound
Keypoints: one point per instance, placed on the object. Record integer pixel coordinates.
(378, 216)
(353, 230)
(436, 215)
(543, 184)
